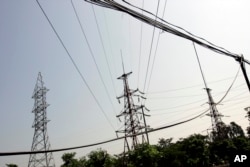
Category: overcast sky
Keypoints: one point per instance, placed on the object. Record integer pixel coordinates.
(28, 45)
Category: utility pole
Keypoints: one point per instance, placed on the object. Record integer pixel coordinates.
(132, 114)
(40, 138)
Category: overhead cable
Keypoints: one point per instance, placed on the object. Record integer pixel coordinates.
(205, 83)
(165, 26)
(186, 104)
(179, 28)
(151, 46)
(92, 55)
(75, 65)
(168, 27)
(99, 143)
(109, 43)
(189, 87)
(202, 74)
(229, 88)
(104, 50)
(139, 63)
(156, 49)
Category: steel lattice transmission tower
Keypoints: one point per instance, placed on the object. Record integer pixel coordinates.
(218, 127)
(40, 138)
(132, 114)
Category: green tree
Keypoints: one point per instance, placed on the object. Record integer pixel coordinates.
(196, 150)
(235, 130)
(193, 151)
(144, 155)
(222, 132)
(223, 151)
(70, 161)
(99, 158)
(164, 143)
(248, 131)
(82, 162)
(11, 165)
(220, 151)
(172, 154)
(248, 116)
(189, 152)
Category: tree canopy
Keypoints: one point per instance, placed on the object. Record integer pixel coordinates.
(193, 151)
(11, 165)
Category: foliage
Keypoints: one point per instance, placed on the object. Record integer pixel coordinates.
(11, 165)
(235, 130)
(248, 128)
(99, 158)
(248, 131)
(170, 154)
(164, 143)
(193, 151)
(70, 161)
(143, 155)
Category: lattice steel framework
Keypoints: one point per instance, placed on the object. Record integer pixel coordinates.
(133, 126)
(40, 138)
(217, 124)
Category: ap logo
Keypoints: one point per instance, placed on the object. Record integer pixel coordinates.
(240, 158)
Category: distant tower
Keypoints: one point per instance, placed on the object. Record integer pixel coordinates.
(132, 115)
(218, 127)
(40, 138)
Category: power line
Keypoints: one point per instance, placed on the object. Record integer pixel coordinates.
(59, 39)
(205, 80)
(204, 111)
(189, 87)
(165, 27)
(159, 109)
(92, 55)
(99, 143)
(203, 77)
(129, 43)
(214, 114)
(76, 67)
(156, 48)
(224, 51)
(235, 103)
(151, 46)
(186, 104)
(230, 99)
(215, 103)
(104, 50)
(139, 63)
(189, 95)
(172, 97)
(239, 58)
(174, 111)
(229, 88)
(114, 64)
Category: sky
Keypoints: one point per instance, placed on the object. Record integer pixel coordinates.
(174, 92)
